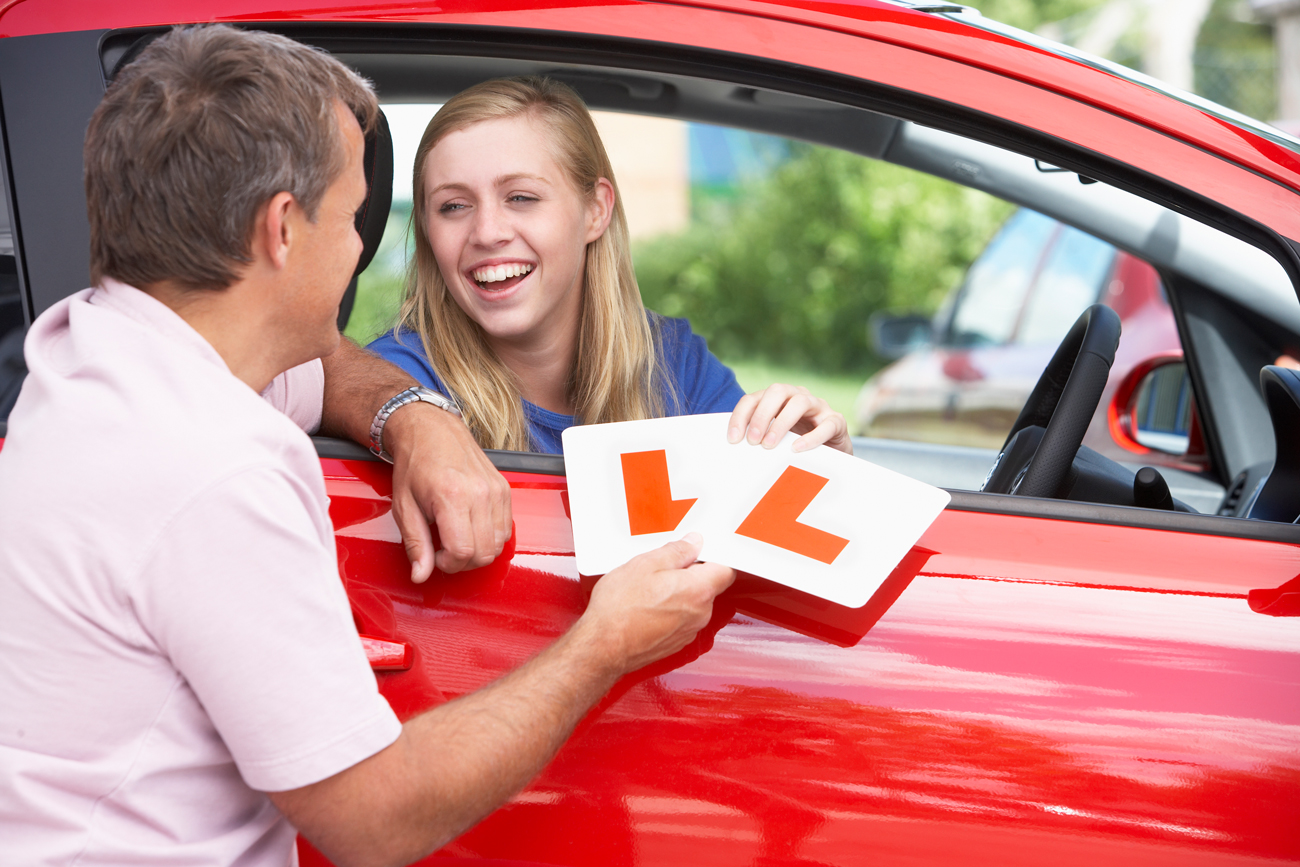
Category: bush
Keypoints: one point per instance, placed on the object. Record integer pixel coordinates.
(793, 267)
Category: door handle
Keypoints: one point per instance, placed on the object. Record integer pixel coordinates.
(384, 655)
(1282, 601)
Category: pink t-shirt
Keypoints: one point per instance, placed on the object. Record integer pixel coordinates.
(174, 636)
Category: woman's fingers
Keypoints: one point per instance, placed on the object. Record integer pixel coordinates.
(772, 402)
(740, 417)
(754, 413)
(767, 416)
(791, 415)
(830, 429)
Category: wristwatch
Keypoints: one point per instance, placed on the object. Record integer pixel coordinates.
(411, 395)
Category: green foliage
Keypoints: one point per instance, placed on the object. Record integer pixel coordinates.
(1031, 14)
(792, 269)
(839, 390)
(379, 288)
(1236, 61)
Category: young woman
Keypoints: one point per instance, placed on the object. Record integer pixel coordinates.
(521, 303)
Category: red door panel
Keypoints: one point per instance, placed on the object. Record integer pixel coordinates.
(1040, 691)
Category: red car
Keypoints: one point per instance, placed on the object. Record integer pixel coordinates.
(978, 360)
(1053, 674)
(962, 377)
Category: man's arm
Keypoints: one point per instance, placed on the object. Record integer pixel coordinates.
(440, 474)
(454, 764)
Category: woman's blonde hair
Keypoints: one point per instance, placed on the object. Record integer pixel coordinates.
(617, 372)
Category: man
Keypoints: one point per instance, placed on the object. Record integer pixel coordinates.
(178, 667)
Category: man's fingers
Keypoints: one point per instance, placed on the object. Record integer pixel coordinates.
(484, 521)
(674, 555)
(450, 483)
(456, 531)
(502, 517)
(719, 577)
(416, 535)
(484, 528)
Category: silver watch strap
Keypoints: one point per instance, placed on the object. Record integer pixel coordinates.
(411, 395)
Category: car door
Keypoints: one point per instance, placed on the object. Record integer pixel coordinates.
(1021, 685)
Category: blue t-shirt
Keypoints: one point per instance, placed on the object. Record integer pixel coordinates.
(702, 383)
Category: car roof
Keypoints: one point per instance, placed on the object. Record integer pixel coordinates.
(939, 29)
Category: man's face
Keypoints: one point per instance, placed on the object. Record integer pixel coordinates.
(326, 251)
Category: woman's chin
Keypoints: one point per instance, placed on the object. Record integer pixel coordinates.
(505, 326)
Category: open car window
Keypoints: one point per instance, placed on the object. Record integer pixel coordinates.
(1073, 277)
(993, 296)
(780, 252)
(784, 293)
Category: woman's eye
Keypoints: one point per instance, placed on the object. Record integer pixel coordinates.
(449, 207)
(521, 197)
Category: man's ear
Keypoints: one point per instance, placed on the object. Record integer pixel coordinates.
(273, 234)
(600, 210)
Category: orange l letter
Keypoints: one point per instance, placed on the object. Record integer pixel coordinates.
(775, 519)
(650, 504)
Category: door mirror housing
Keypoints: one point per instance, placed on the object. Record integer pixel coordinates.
(894, 335)
(1154, 410)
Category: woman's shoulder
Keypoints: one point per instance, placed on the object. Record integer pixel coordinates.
(405, 349)
(398, 336)
(397, 342)
(700, 381)
(675, 337)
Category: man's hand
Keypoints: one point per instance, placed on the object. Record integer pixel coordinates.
(456, 763)
(440, 475)
(653, 605)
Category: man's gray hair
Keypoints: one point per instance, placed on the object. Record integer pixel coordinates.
(195, 135)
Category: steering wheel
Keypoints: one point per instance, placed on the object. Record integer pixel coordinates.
(1037, 456)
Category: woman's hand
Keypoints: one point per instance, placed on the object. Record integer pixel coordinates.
(766, 416)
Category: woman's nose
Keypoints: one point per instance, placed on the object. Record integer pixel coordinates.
(491, 226)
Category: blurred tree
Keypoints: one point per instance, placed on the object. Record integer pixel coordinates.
(1236, 60)
(1031, 14)
(792, 269)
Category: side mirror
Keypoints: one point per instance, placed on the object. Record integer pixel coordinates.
(893, 335)
(1154, 410)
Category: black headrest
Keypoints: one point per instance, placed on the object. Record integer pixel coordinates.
(373, 216)
(1279, 499)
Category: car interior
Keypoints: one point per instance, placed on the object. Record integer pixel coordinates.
(12, 366)
(1236, 306)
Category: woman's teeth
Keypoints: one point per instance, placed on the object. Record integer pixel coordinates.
(497, 273)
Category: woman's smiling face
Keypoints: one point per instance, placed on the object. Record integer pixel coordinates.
(509, 231)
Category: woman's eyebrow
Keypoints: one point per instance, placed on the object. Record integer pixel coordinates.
(503, 179)
(520, 176)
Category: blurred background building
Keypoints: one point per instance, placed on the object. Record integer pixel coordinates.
(1284, 16)
(1243, 54)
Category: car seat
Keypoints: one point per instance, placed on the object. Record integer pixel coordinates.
(373, 216)
(1279, 498)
